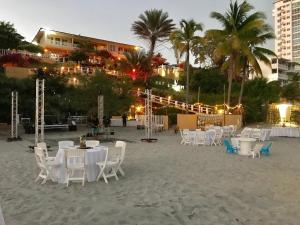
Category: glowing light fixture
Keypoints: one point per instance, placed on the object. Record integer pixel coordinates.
(220, 111)
(283, 111)
(48, 31)
(138, 108)
(176, 87)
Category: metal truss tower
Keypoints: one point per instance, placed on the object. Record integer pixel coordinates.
(39, 110)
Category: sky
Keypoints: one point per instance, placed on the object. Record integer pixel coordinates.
(112, 19)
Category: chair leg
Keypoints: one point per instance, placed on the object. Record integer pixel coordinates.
(116, 176)
(68, 177)
(46, 178)
(100, 173)
(38, 177)
(121, 171)
(83, 178)
(104, 177)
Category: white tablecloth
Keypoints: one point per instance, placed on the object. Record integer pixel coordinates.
(285, 132)
(208, 137)
(244, 145)
(92, 156)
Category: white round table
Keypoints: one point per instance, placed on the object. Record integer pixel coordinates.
(246, 146)
(92, 156)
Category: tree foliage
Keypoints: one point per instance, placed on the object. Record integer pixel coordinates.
(63, 99)
(153, 26)
(9, 37)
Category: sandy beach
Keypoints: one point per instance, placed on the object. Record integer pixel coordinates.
(165, 183)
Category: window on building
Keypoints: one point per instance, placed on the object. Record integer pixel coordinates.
(76, 44)
(111, 48)
(64, 42)
(50, 40)
(274, 70)
(57, 41)
(120, 49)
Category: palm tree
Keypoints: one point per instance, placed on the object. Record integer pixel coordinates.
(237, 24)
(249, 61)
(251, 50)
(153, 26)
(186, 37)
(177, 47)
(136, 64)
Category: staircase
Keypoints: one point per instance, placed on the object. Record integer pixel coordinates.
(193, 108)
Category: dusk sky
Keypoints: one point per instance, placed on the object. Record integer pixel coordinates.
(111, 19)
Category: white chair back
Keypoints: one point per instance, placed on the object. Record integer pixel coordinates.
(200, 138)
(92, 143)
(265, 135)
(75, 158)
(43, 146)
(40, 158)
(246, 132)
(185, 135)
(219, 135)
(65, 144)
(256, 133)
(75, 165)
(226, 131)
(211, 136)
(122, 145)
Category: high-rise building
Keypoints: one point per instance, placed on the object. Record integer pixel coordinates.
(286, 15)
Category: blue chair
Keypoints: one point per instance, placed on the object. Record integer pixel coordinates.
(229, 148)
(265, 150)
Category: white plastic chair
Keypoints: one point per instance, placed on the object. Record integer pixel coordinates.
(265, 135)
(256, 133)
(122, 145)
(226, 131)
(256, 150)
(92, 143)
(107, 168)
(185, 135)
(246, 132)
(233, 129)
(211, 134)
(200, 138)
(44, 166)
(75, 165)
(219, 135)
(65, 144)
(43, 146)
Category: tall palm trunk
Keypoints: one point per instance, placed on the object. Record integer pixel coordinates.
(231, 75)
(150, 56)
(245, 74)
(187, 71)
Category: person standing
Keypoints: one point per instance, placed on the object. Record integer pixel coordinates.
(124, 117)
